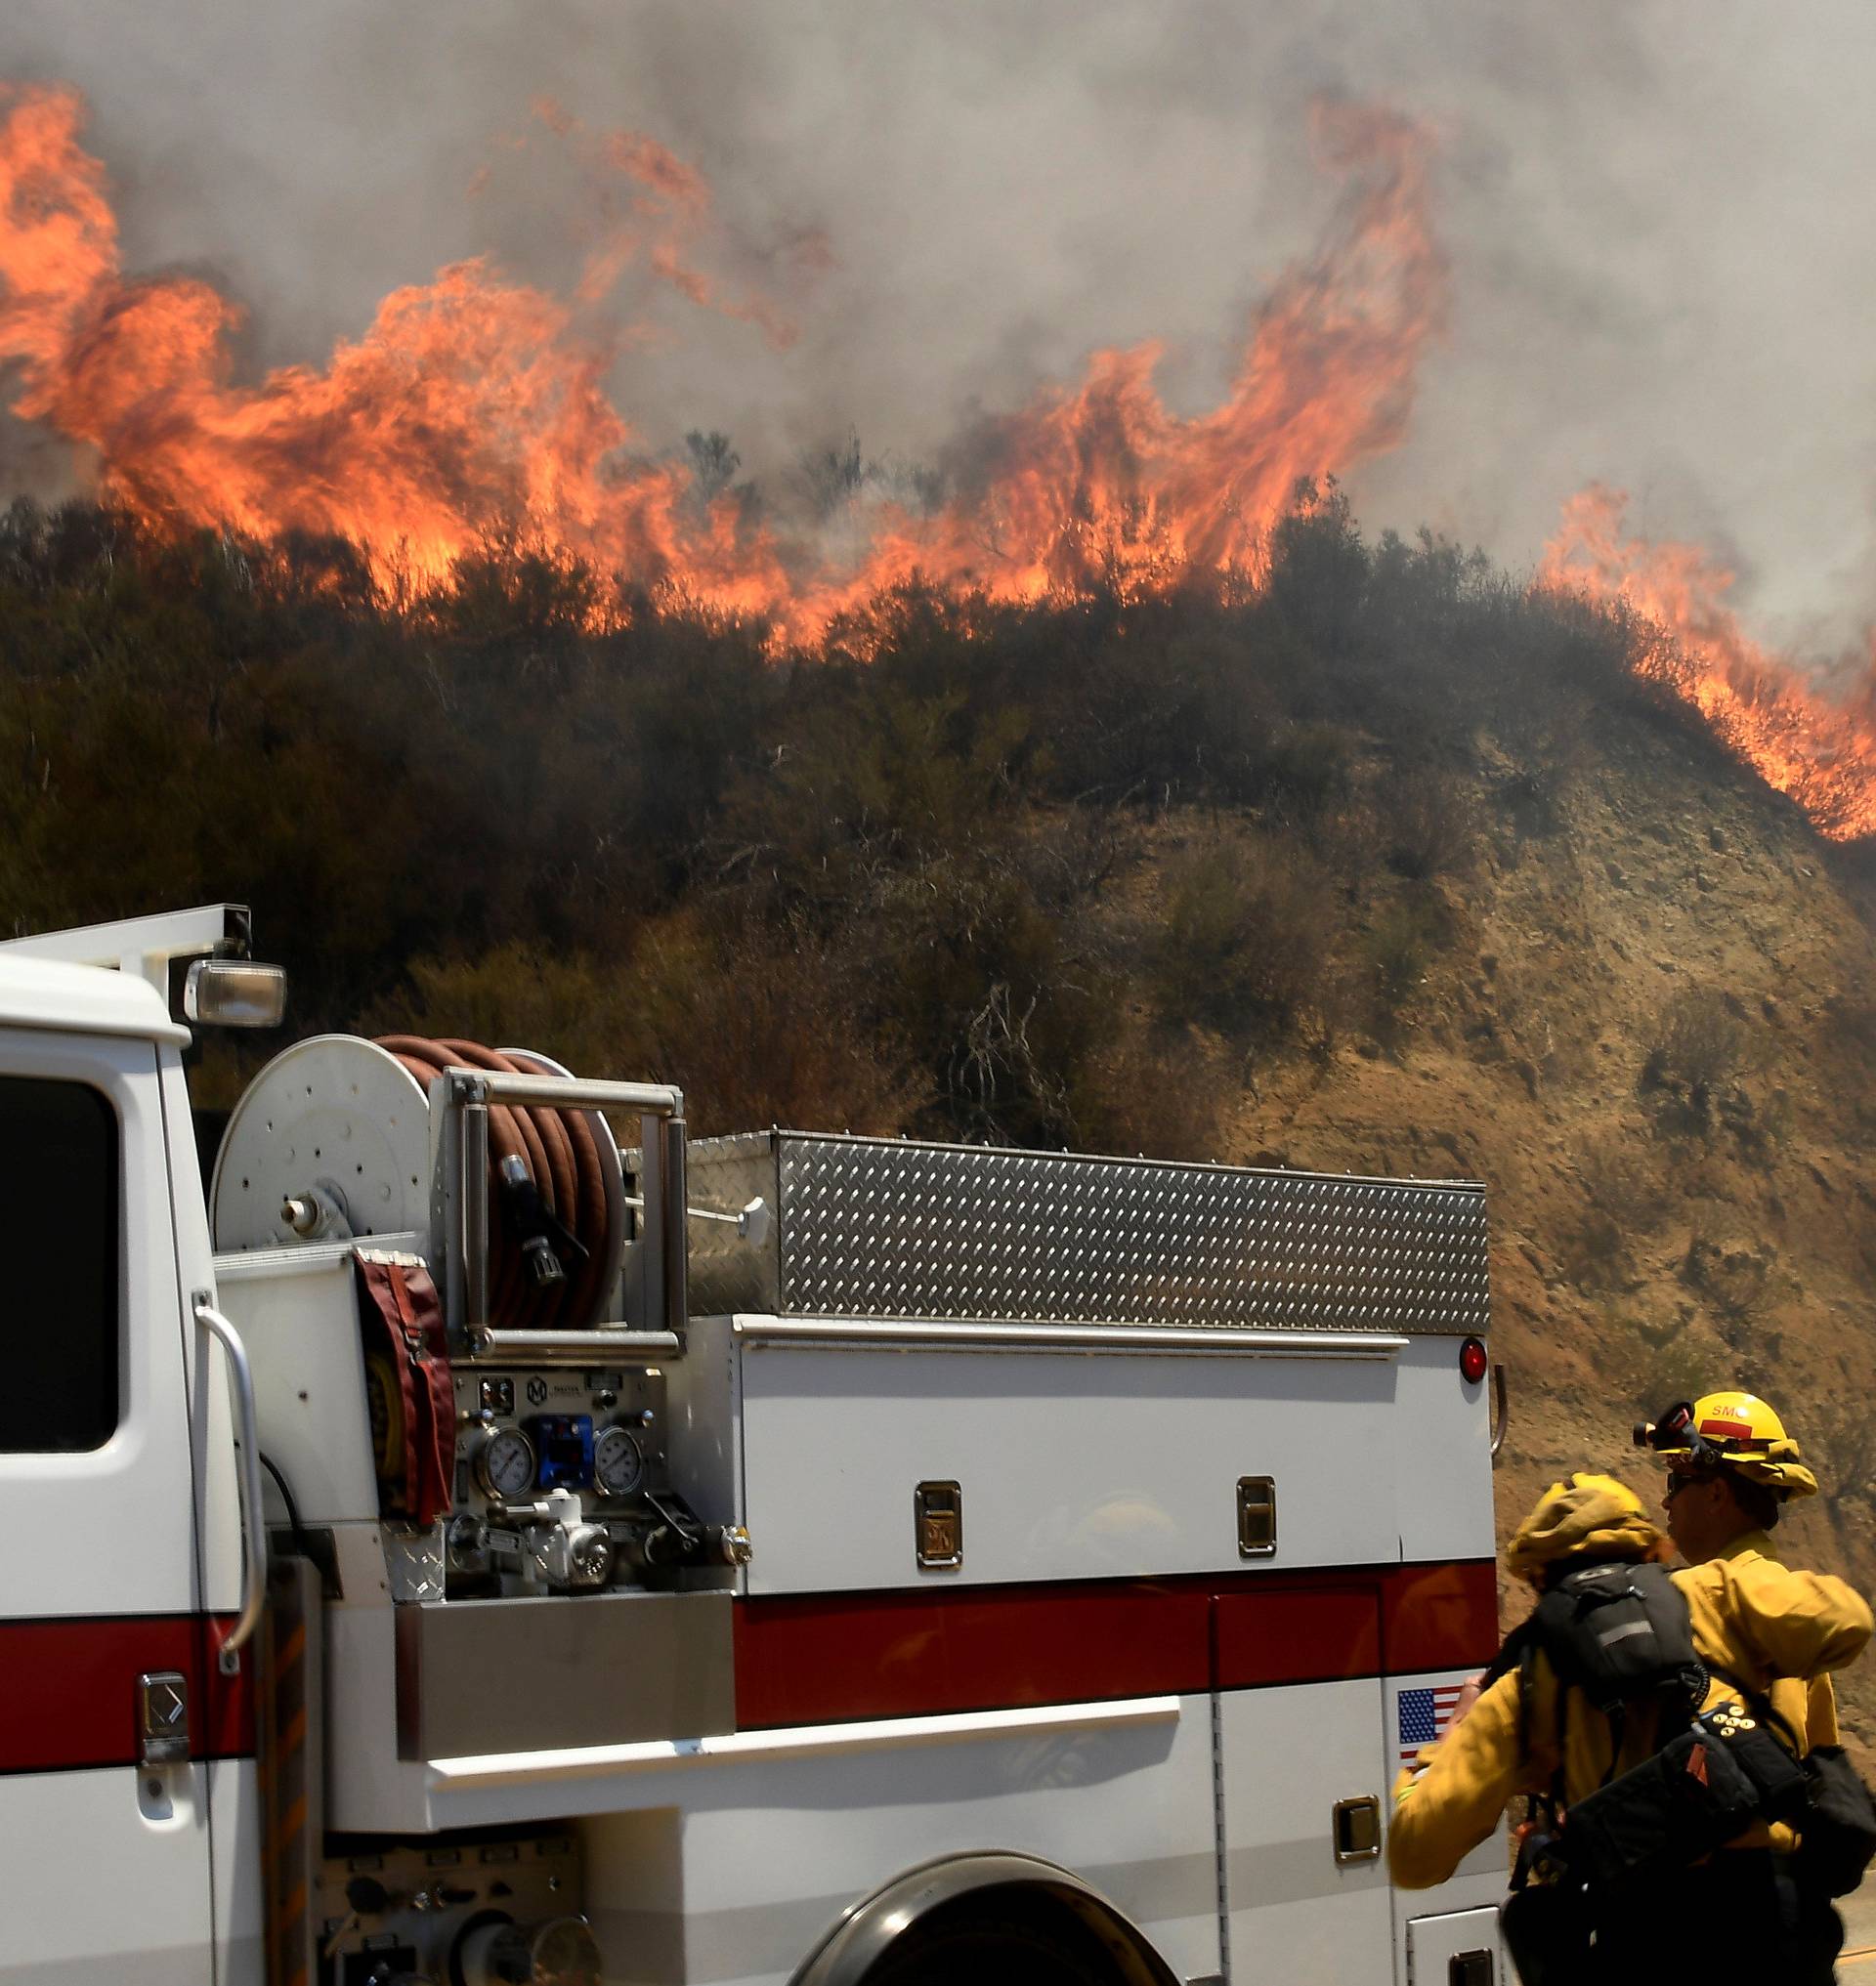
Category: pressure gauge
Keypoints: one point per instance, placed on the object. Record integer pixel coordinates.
(618, 1462)
(505, 1464)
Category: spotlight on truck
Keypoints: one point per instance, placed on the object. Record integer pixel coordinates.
(234, 993)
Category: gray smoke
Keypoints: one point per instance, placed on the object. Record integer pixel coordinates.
(1649, 207)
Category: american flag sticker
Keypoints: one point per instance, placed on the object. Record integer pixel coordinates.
(1424, 1714)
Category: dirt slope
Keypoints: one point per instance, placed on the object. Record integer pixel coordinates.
(1652, 1039)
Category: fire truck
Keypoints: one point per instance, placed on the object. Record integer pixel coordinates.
(456, 1529)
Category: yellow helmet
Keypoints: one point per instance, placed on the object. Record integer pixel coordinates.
(1736, 1431)
(1586, 1519)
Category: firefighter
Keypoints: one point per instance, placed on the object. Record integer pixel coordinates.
(1731, 1470)
(1750, 1616)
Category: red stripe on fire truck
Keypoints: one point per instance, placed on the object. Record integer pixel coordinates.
(831, 1658)
(68, 1689)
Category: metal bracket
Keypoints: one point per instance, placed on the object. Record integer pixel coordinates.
(459, 1104)
(145, 946)
(587, 1348)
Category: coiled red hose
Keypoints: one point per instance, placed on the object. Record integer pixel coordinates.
(567, 1165)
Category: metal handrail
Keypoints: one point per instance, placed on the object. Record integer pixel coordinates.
(253, 1514)
(1504, 1408)
(571, 1347)
(570, 1093)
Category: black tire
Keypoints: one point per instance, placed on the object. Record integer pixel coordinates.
(975, 1947)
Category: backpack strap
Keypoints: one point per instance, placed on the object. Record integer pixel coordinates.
(1618, 1717)
(1562, 1739)
(1526, 1674)
(1541, 1809)
(1510, 1653)
(1520, 1652)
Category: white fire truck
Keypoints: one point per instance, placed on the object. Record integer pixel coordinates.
(445, 1547)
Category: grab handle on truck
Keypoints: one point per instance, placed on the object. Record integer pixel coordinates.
(1504, 1417)
(253, 1516)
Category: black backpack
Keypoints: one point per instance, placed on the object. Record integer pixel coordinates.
(1622, 1636)
(1618, 1634)
(1736, 1763)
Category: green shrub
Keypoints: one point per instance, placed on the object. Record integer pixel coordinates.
(1428, 821)
(1245, 939)
(1397, 949)
(1700, 1041)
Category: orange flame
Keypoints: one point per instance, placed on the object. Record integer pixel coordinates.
(1821, 752)
(475, 406)
(1105, 482)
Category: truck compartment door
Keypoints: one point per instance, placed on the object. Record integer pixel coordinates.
(105, 1661)
(1456, 1948)
(1304, 1781)
(1065, 1462)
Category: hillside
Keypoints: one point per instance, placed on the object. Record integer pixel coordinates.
(1653, 1044)
(1386, 863)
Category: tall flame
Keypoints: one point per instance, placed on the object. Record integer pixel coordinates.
(1821, 752)
(1104, 482)
(475, 405)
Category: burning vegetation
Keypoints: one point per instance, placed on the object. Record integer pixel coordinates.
(1820, 752)
(474, 407)
(1056, 872)
(468, 438)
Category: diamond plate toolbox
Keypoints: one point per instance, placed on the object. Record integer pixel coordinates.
(891, 1229)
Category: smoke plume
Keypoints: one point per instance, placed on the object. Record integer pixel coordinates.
(922, 223)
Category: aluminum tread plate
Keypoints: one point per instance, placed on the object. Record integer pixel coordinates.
(892, 1229)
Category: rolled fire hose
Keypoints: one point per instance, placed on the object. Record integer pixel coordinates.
(562, 1160)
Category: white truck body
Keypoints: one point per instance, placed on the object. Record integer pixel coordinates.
(1010, 1623)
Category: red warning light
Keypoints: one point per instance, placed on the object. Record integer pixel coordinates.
(1473, 1361)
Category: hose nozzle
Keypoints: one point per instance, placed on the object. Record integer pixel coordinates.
(535, 1227)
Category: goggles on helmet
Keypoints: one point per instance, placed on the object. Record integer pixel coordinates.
(1674, 1434)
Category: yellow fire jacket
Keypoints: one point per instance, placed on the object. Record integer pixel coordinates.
(1786, 1629)
(1809, 1707)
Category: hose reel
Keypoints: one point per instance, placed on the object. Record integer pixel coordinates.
(333, 1140)
(556, 1193)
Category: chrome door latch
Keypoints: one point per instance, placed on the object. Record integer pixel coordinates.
(162, 1718)
(1357, 1830)
(1256, 1516)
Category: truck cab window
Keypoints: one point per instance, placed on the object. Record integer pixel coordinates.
(59, 1236)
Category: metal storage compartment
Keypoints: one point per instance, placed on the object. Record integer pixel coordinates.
(895, 1229)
